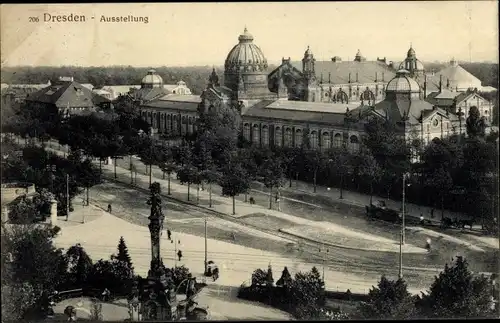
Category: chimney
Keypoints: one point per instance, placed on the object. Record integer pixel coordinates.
(447, 83)
(349, 77)
(321, 81)
(440, 82)
(356, 77)
(383, 77)
(329, 78)
(376, 77)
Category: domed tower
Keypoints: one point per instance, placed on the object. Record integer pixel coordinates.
(412, 64)
(308, 64)
(246, 70)
(152, 80)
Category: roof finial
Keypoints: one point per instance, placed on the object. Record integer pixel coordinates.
(245, 30)
(411, 45)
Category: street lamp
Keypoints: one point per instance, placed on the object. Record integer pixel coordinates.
(405, 175)
(51, 169)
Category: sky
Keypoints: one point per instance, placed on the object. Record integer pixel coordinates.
(187, 34)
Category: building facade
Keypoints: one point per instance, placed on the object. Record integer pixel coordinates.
(320, 105)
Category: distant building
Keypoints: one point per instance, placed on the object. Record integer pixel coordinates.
(334, 81)
(67, 97)
(152, 87)
(460, 102)
(325, 104)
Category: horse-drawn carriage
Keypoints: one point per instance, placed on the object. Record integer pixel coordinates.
(380, 211)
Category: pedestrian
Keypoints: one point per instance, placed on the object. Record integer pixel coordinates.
(252, 201)
(169, 234)
(109, 208)
(83, 202)
(428, 245)
(233, 236)
(215, 274)
(179, 254)
(432, 213)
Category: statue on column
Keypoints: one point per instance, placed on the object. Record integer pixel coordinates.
(155, 227)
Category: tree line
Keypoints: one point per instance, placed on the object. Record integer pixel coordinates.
(457, 173)
(455, 293)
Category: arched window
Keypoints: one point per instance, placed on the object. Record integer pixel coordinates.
(265, 135)
(256, 134)
(368, 96)
(278, 136)
(337, 140)
(314, 139)
(325, 140)
(298, 138)
(190, 125)
(341, 97)
(246, 131)
(169, 123)
(354, 143)
(288, 138)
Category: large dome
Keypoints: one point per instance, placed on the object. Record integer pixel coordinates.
(402, 83)
(152, 80)
(245, 55)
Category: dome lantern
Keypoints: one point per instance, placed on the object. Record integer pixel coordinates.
(246, 55)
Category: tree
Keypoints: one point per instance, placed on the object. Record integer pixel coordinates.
(87, 176)
(234, 181)
(269, 276)
(315, 161)
(259, 277)
(150, 154)
(341, 163)
(365, 165)
(390, 300)
(123, 254)
(79, 265)
(114, 274)
(167, 165)
(18, 300)
(476, 124)
(307, 294)
(25, 211)
(188, 172)
(285, 279)
(455, 293)
(390, 149)
(32, 267)
(272, 174)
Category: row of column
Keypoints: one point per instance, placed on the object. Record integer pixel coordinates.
(171, 123)
(264, 135)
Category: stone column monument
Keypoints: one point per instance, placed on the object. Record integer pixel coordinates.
(155, 227)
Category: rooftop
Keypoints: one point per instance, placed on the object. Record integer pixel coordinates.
(322, 107)
(338, 72)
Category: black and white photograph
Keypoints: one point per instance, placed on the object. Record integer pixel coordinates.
(256, 161)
